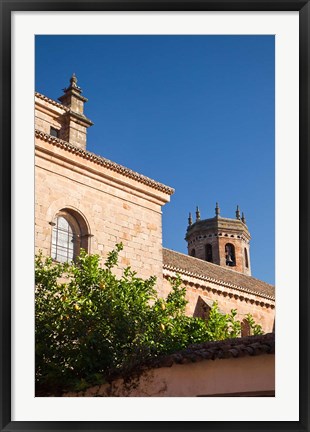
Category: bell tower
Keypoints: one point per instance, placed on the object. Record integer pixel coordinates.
(221, 241)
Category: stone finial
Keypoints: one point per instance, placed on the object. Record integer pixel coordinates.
(243, 218)
(190, 220)
(73, 99)
(197, 213)
(217, 210)
(238, 213)
(73, 80)
(74, 87)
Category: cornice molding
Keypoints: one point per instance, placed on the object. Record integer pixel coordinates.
(51, 101)
(113, 166)
(222, 283)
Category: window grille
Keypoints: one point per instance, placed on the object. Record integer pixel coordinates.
(63, 241)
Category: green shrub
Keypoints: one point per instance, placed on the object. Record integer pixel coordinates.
(91, 325)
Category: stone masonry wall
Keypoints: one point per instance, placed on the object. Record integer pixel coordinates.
(199, 240)
(115, 209)
(45, 118)
(262, 309)
(239, 245)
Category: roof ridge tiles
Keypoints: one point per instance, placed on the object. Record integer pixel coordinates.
(104, 162)
(213, 350)
(52, 101)
(216, 265)
(177, 267)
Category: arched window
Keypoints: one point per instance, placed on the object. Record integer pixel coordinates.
(245, 328)
(193, 253)
(209, 253)
(246, 259)
(70, 233)
(63, 241)
(230, 254)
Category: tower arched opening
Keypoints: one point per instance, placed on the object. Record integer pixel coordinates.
(230, 255)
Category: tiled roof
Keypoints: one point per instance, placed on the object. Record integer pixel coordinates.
(184, 264)
(51, 101)
(104, 162)
(218, 222)
(229, 348)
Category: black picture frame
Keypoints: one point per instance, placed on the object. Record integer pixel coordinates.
(7, 7)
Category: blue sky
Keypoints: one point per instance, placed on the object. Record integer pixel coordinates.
(193, 112)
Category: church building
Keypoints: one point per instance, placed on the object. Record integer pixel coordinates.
(83, 200)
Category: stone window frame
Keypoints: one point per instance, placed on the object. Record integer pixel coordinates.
(79, 230)
(245, 328)
(54, 132)
(209, 252)
(246, 258)
(233, 257)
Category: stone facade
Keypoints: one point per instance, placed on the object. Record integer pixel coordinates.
(105, 203)
(206, 283)
(109, 203)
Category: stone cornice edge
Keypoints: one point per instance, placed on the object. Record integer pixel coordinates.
(51, 101)
(216, 281)
(103, 162)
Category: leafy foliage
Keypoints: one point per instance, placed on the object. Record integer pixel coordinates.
(255, 329)
(91, 325)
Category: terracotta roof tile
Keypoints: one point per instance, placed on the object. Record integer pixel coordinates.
(113, 166)
(229, 348)
(51, 101)
(195, 267)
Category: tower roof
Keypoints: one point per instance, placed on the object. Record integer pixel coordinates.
(219, 224)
